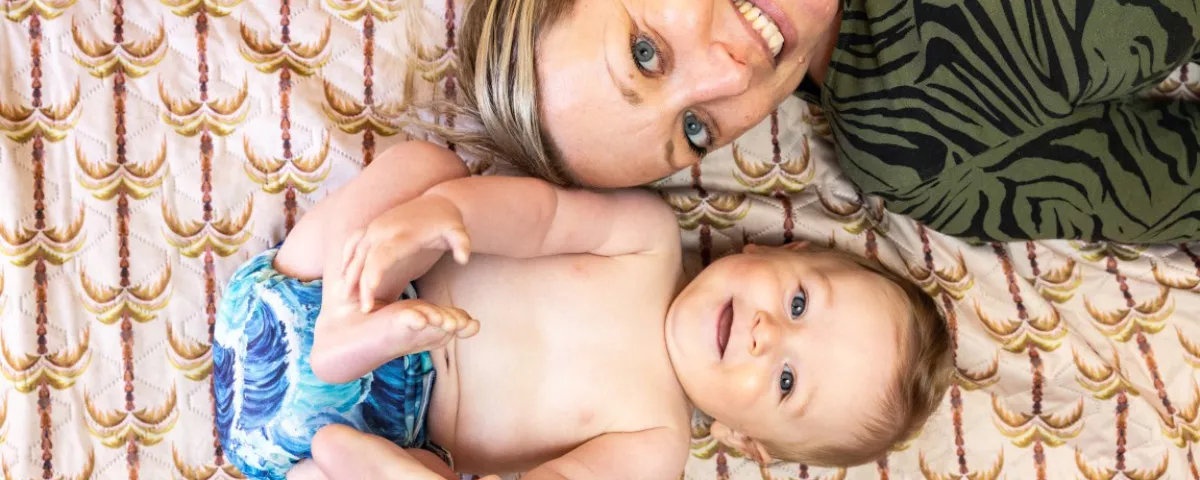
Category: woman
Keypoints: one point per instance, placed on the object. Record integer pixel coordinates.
(985, 120)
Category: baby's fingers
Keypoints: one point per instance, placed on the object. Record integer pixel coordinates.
(379, 260)
(358, 259)
(460, 244)
(352, 261)
(349, 247)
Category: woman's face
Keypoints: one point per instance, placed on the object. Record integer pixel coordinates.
(633, 90)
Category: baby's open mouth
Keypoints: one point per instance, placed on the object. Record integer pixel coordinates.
(724, 324)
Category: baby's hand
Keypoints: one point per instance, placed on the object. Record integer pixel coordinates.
(424, 223)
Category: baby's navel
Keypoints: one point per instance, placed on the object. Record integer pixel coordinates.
(579, 267)
(586, 417)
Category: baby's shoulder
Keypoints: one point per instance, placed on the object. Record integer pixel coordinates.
(654, 221)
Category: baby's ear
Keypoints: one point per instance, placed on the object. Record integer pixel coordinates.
(729, 437)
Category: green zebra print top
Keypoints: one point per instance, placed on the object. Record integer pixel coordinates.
(999, 120)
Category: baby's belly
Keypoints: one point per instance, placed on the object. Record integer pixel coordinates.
(524, 396)
(514, 416)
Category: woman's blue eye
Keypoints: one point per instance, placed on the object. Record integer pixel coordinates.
(799, 304)
(645, 55)
(787, 380)
(697, 133)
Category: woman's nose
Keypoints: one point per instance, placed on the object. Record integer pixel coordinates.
(711, 54)
(716, 73)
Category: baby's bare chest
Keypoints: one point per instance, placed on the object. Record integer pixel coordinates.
(565, 352)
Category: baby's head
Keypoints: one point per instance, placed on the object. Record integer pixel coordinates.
(809, 355)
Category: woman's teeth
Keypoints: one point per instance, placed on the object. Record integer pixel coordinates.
(762, 24)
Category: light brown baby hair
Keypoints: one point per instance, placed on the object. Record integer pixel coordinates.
(920, 382)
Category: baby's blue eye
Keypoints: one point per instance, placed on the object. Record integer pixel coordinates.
(799, 304)
(787, 380)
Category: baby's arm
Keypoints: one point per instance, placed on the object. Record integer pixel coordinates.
(654, 453)
(313, 249)
(525, 217)
(343, 453)
(513, 217)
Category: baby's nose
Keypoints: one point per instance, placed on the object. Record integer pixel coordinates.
(763, 334)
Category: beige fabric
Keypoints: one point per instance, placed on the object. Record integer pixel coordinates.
(139, 168)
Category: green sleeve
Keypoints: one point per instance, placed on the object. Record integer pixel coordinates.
(1021, 120)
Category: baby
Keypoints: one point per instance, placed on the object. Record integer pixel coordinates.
(587, 359)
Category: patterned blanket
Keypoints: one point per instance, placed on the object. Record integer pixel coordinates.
(148, 147)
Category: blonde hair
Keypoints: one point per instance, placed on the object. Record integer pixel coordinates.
(921, 379)
(497, 77)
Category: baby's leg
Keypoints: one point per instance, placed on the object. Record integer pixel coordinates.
(350, 349)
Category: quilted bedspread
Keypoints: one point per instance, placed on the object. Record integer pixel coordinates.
(148, 147)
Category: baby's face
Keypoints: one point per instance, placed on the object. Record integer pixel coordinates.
(788, 345)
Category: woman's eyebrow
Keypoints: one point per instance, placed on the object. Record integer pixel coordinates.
(631, 97)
